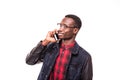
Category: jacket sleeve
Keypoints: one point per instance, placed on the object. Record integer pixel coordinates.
(87, 72)
(36, 54)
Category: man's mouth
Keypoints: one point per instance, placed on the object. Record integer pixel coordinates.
(60, 34)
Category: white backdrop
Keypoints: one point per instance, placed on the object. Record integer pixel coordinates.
(23, 23)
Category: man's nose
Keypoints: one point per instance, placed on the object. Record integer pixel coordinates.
(61, 28)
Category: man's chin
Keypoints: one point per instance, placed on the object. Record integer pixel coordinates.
(60, 37)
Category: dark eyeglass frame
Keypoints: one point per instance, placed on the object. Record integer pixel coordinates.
(65, 26)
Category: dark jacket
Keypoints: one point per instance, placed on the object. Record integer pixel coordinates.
(80, 64)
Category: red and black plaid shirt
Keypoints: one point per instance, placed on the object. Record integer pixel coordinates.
(62, 60)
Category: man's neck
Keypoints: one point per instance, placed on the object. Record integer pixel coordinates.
(67, 42)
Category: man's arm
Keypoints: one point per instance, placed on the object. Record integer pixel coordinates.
(36, 54)
(87, 72)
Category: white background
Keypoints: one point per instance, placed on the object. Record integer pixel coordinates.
(23, 23)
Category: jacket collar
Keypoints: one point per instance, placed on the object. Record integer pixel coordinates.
(74, 50)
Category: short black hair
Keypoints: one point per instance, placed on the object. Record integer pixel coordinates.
(78, 22)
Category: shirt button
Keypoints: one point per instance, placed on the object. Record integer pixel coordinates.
(50, 67)
(46, 76)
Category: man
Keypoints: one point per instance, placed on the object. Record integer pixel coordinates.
(63, 59)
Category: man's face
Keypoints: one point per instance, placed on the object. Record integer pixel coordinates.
(67, 30)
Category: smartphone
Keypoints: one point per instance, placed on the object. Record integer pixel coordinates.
(56, 36)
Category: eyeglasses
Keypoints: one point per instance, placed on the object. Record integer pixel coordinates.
(64, 26)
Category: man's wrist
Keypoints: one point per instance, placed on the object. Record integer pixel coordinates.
(45, 42)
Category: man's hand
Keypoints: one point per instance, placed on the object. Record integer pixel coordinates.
(49, 38)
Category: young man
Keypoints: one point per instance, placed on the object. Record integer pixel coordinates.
(63, 59)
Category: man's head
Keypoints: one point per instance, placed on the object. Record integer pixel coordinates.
(76, 19)
(69, 27)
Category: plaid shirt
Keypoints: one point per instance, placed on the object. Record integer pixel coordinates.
(62, 60)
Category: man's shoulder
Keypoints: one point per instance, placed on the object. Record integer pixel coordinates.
(82, 51)
(52, 45)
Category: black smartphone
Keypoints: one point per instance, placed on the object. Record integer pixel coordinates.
(56, 36)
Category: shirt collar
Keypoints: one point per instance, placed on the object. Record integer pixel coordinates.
(71, 45)
(74, 50)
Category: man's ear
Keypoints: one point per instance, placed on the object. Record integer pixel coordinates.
(75, 31)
